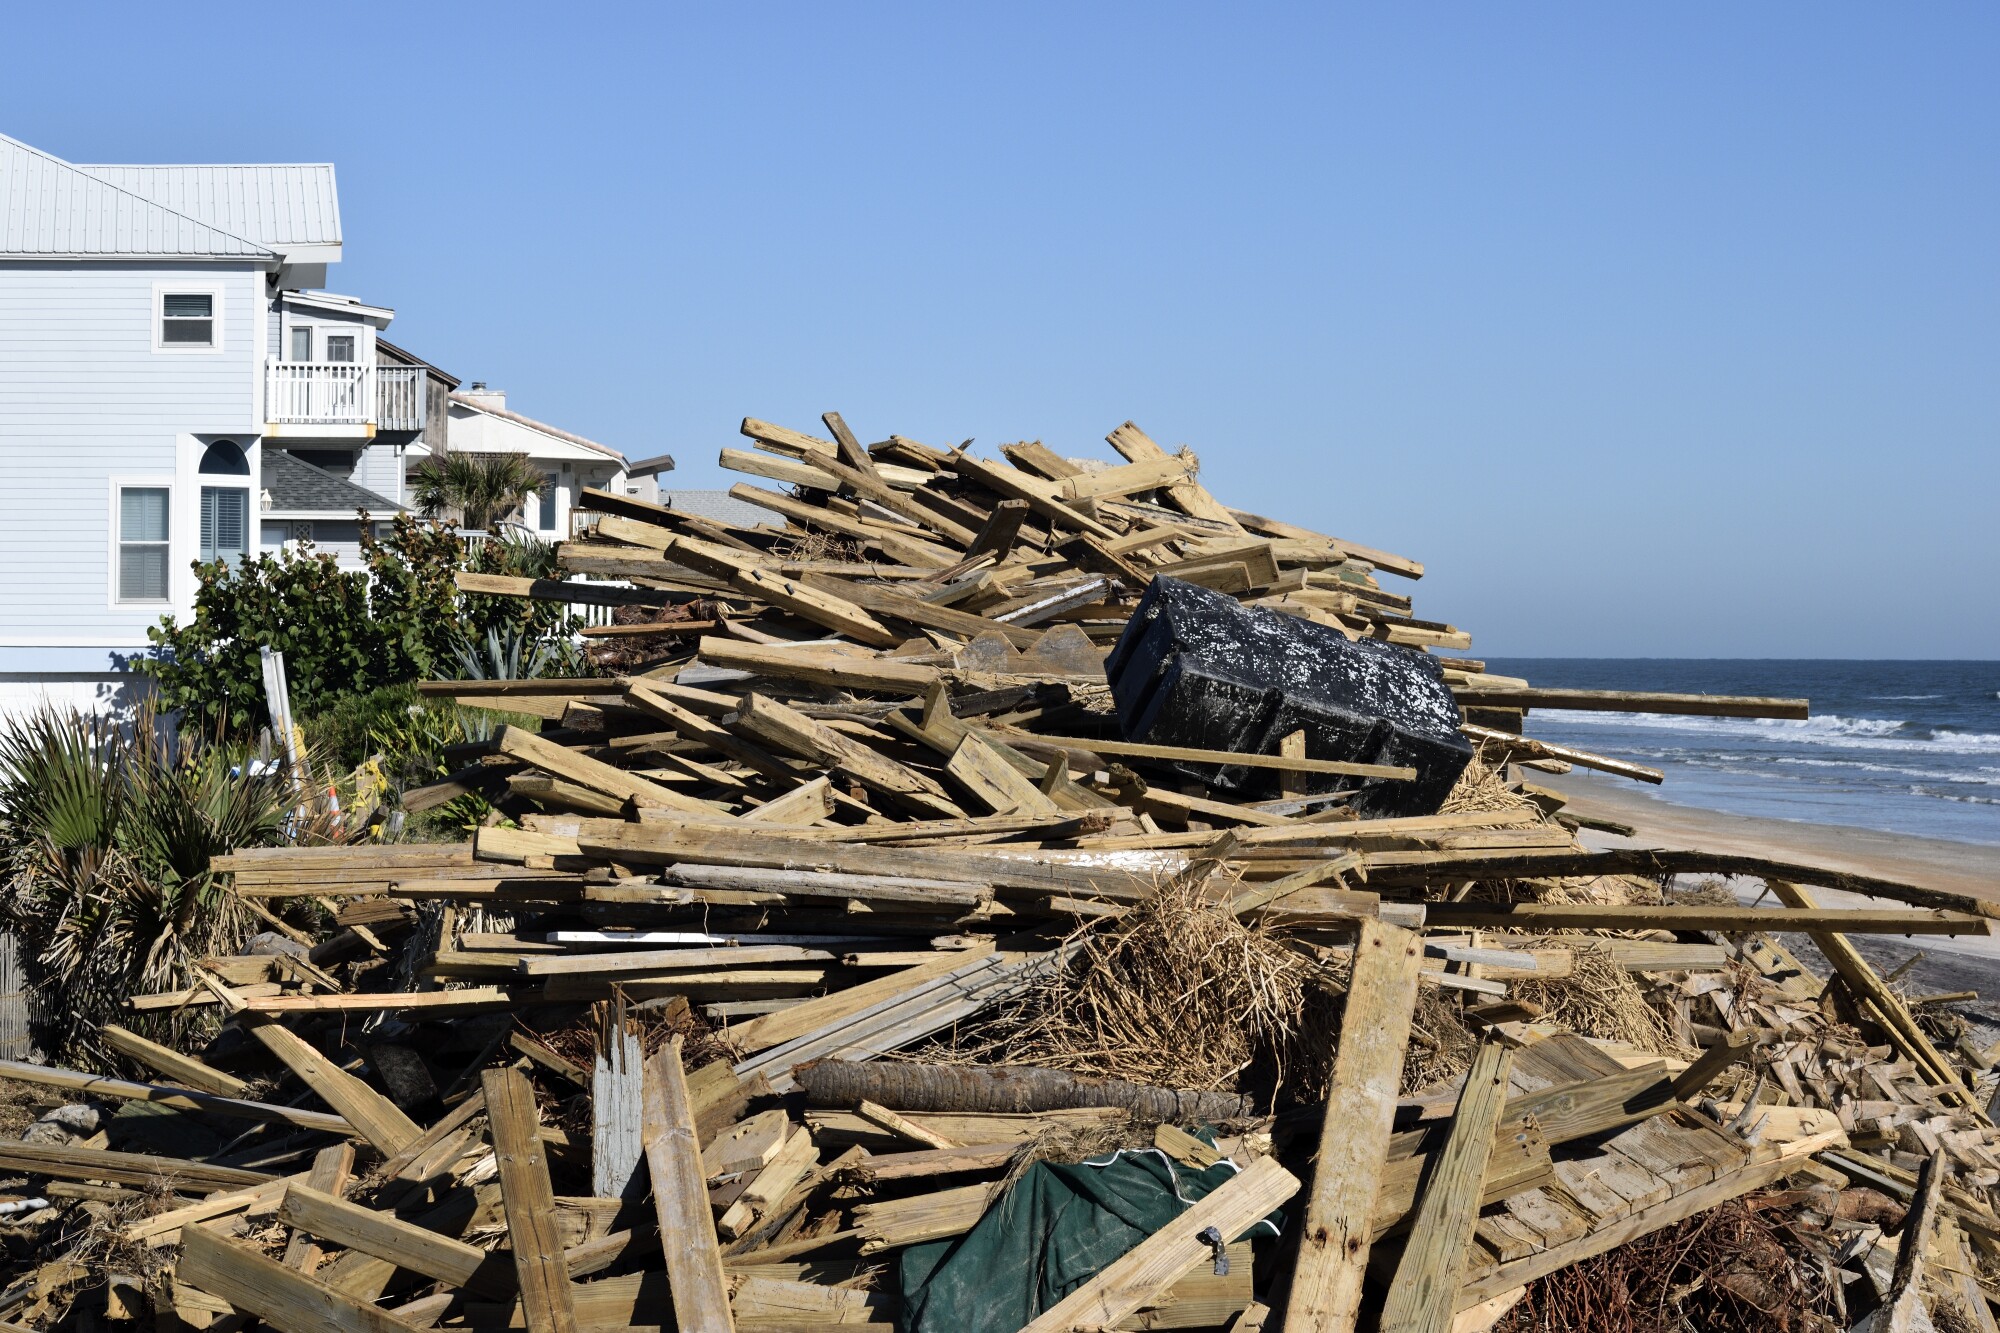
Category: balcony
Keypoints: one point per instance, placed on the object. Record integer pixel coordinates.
(338, 400)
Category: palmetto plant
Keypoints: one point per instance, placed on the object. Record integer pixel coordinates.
(483, 488)
(106, 835)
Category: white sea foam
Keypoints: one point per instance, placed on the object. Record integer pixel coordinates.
(1860, 733)
(1978, 777)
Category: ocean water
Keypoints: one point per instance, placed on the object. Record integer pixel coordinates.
(1906, 747)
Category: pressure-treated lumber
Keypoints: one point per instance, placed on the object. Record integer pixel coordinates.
(372, 1115)
(181, 1068)
(178, 1098)
(788, 1024)
(1728, 1183)
(289, 1302)
(680, 1196)
(332, 1170)
(1425, 1292)
(1868, 987)
(387, 1236)
(1190, 496)
(121, 1168)
(1653, 864)
(563, 762)
(790, 730)
(1179, 753)
(1708, 1066)
(1354, 1137)
(539, 1266)
(1158, 1261)
(1609, 916)
(1635, 701)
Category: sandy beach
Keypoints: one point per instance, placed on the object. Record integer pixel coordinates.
(1958, 867)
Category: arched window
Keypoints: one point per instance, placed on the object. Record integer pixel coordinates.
(225, 510)
(224, 459)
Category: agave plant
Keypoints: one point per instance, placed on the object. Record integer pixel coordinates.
(109, 833)
(483, 488)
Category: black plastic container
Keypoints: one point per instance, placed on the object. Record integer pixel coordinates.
(1196, 669)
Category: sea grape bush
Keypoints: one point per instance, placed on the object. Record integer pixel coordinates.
(343, 632)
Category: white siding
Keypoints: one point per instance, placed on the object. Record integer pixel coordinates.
(84, 398)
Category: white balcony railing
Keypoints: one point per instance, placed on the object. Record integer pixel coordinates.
(320, 394)
(399, 397)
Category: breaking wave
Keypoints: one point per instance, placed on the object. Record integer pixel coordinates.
(1863, 733)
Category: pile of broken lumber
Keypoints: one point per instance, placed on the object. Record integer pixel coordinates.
(862, 798)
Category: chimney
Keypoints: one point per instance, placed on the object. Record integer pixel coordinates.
(484, 396)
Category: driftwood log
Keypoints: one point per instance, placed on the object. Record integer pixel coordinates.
(978, 1089)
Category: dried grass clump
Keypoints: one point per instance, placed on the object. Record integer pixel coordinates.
(817, 545)
(1707, 892)
(1177, 993)
(1599, 998)
(1481, 788)
(1180, 993)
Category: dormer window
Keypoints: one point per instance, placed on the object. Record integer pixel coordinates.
(187, 319)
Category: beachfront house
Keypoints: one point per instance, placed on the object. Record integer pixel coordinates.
(479, 422)
(177, 386)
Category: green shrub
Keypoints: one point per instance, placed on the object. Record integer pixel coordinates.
(106, 837)
(342, 733)
(345, 634)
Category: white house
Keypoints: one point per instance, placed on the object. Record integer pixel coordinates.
(478, 422)
(175, 387)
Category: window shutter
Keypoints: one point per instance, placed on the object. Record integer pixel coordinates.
(208, 494)
(232, 517)
(142, 515)
(142, 574)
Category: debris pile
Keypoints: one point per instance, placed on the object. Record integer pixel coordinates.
(1020, 895)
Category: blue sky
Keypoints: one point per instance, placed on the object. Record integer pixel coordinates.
(1663, 330)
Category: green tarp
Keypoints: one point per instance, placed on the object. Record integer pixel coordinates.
(1057, 1228)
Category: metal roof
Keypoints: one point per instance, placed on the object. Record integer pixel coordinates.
(50, 209)
(283, 206)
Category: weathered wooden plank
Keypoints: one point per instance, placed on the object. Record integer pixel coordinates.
(1354, 1136)
(182, 1069)
(680, 1196)
(530, 1202)
(1425, 1292)
(180, 1099)
(372, 1115)
(290, 1302)
(1635, 701)
(563, 762)
(387, 1236)
(792, 731)
(121, 1168)
(1221, 758)
(1608, 916)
